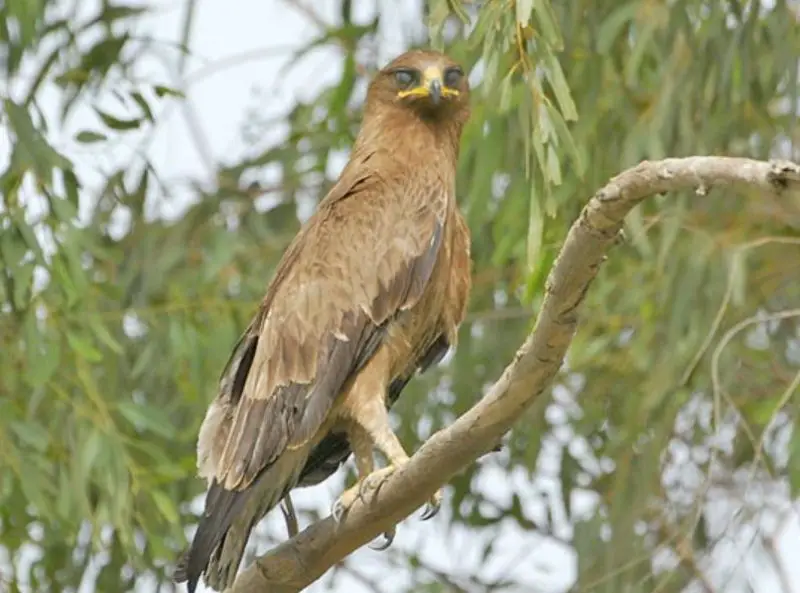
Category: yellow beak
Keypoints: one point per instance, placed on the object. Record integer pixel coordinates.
(431, 86)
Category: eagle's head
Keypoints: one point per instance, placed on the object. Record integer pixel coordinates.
(424, 81)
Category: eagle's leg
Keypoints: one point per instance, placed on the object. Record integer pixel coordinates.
(372, 419)
(387, 442)
(361, 446)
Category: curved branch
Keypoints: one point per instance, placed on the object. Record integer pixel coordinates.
(304, 558)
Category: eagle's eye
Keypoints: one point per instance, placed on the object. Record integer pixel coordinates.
(406, 78)
(453, 76)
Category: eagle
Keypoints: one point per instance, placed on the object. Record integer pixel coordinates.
(371, 291)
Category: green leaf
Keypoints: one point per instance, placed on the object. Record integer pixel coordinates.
(143, 105)
(63, 209)
(166, 506)
(26, 232)
(524, 11)
(738, 277)
(146, 418)
(89, 453)
(549, 24)
(555, 75)
(144, 360)
(343, 91)
(103, 55)
(62, 280)
(89, 137)
(165, 91)
(83, 347)
(31, 151)
(611, 27)
(26, 13)
(223, 251)
(23, 284)
(637, 233)
(12, 248)
(31, 433)
(535, 230)
(66, 496)
(71, 187)
(565, 137)
(116, 123)
(115, 12)
(553, 166)
(38, 490)
(636, 60)
(43, 353)
(103, 335)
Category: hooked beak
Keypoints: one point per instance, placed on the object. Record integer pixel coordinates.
(435, 90)
(430, 87)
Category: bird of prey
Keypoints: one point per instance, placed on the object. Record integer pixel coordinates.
(370, 291)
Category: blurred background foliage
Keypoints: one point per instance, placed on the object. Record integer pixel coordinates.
(666, 454)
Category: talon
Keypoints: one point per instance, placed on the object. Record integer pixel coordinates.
(365, 489)
(389, 536)
(430, 512)
(432, 506)
(342, 504)
(338, 510)
(374, 481)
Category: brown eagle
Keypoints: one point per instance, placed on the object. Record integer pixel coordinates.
(370, 291)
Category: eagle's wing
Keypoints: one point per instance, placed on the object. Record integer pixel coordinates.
(334, 449)
(360, 263)
(326, 458)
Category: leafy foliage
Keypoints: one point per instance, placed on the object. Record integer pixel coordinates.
(115, 320)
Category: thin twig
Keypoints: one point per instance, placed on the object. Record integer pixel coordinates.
(307, 11)
(718, 392)
(738, 253)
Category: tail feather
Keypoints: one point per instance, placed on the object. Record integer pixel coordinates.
(181, 572)
(218, 545)
(222, 507)
(224, 562)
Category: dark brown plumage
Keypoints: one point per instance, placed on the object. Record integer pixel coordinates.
(372, 288)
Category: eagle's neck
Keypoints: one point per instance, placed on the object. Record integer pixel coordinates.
(409, 137)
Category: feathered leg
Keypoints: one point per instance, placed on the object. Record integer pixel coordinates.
(371, 428)
(361, 446)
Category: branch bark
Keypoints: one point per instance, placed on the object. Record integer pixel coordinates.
(301, 560)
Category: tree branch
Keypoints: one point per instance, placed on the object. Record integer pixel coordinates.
(301, 560)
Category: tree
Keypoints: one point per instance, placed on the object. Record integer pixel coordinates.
(677, 396)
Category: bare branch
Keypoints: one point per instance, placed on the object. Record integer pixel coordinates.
(304, 558)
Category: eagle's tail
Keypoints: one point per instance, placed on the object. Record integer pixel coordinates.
(218, 545)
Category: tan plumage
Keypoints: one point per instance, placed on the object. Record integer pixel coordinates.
(371, 289)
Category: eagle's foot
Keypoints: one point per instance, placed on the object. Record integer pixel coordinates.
(432, 506)
(360, 491)
(376, 479)
(342, 504)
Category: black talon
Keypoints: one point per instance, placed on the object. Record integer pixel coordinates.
(363, 488)
(431, 510)
(337, 511)
(389, 535)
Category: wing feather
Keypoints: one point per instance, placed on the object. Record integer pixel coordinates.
(358, 264)
(334, 449)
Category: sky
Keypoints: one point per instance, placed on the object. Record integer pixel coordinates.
(237, 52)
